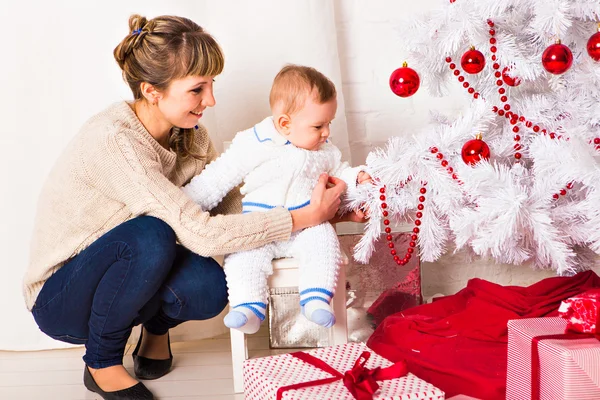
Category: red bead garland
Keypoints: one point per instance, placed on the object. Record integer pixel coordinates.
(414, 236)
(421, 206)
(514, 119)
(562, 192)
(461, 78)
(505, 109)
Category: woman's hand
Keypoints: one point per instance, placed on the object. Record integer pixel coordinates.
(324, 203)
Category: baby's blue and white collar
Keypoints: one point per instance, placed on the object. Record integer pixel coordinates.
(266, 133)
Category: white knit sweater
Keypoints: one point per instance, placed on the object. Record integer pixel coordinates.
(274, 171)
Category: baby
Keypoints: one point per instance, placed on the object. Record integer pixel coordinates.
(280, 160)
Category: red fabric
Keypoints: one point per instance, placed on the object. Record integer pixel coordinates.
(458, 343)
(391, 302)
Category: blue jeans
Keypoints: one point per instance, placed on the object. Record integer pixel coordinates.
(134, 274)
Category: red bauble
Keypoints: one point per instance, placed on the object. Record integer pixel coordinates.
(472, 61)
(475, 150)
(510, 81)
(593, 46)
(404, 81)
(557, 58)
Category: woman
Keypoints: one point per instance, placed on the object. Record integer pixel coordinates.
(117, 243)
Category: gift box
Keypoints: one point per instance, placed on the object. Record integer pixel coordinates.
(373, 291)
(545, 362)
(345, 372)
(582, 312)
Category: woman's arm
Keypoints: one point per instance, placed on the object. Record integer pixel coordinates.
(131, 173)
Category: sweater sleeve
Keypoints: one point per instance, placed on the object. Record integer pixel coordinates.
(133, 175)
(224, 173)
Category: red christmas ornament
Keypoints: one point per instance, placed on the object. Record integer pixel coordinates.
(404, 81)
(593, 45)
(475, 150)
(472, 61)
(557, 58)
(510, 81)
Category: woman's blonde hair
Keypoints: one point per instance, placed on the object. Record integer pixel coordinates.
(162, 49)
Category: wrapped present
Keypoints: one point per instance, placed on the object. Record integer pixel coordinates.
(344, 372)
(374, 291)
(544, 362)
(581, 312)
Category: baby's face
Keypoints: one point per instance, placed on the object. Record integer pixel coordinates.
(309, 127)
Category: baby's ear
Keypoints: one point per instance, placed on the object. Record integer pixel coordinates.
(283, 123)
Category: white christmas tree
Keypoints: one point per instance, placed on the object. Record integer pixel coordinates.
(530, 191)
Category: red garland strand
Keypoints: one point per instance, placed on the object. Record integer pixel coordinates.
(504, 110)
(416, 230)
(513, 117)
(562, 192)
(420, 207)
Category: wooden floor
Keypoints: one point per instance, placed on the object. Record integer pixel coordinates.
(201, 370)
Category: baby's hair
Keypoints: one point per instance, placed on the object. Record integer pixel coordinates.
(294, 83)
(162, 49)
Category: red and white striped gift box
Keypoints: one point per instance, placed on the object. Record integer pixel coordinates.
(264, 376)
(568, 368)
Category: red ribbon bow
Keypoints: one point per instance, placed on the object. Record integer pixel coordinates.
(360, 381)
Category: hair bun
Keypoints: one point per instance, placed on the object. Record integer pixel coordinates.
(137, 23)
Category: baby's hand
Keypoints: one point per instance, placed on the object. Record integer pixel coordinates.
(363, 177)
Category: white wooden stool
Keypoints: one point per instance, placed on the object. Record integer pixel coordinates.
(285, 274)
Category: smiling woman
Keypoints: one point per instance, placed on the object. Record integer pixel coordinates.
(117, 243)
(181, 105)
(167, 62)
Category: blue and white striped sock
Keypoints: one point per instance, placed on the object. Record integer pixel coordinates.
(246, 317)
(315, 306)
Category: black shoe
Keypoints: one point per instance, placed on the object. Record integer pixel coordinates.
(148, 368)
(136, 392)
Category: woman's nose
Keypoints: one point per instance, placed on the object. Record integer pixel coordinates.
(209, 99)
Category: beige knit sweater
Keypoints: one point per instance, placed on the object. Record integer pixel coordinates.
(114, 170)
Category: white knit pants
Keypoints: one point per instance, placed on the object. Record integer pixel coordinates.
(317, 250)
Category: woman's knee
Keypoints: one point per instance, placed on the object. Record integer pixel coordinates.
(199, 289)
(154, 239)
